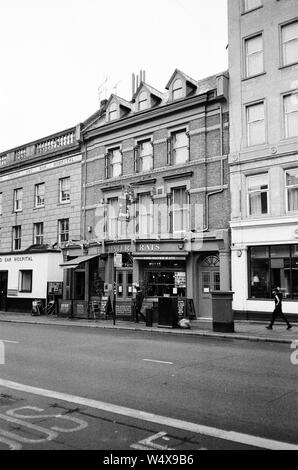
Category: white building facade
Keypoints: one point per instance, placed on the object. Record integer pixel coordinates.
(263, 66)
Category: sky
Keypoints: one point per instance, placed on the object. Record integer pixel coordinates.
(59, 58)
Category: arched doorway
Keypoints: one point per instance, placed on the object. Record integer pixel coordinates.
(209, 280)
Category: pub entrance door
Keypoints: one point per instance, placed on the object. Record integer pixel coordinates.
(209, 280)
(3, 289)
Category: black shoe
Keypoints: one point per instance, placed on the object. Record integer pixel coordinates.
(269, 327)
(289, 327)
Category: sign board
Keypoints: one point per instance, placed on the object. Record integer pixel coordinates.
(55, 288)
(180, 279)
(181, 308)
(65, 308)
(117, 260)
(104, 306)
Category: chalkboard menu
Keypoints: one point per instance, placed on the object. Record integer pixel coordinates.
(181, 308)
(65, 308)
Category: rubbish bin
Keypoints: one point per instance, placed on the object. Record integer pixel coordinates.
(168, 312)
(149, 316)
(222, 313)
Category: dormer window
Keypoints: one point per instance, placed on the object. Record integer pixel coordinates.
(177, 89)
(143, 101)
(113, 112)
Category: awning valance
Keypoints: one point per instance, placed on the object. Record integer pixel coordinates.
(74, 263)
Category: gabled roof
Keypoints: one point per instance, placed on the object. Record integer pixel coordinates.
(151, 90)
(95, 117)
(188, 79)
(121, 101)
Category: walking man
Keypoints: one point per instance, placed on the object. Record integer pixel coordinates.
(277, 312)
(139, 303)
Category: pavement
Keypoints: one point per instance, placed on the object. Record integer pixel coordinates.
(244, 330)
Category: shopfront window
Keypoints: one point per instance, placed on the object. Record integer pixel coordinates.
(96, 277)
(274, 266)
(260, 275)
(165, 279)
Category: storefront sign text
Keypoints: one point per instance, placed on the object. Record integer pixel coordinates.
(9, 259)
(149, 247)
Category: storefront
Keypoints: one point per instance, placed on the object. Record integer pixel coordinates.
(264, 257)
(28, 276)
(187, 270)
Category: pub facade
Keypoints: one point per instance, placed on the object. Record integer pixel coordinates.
(155, 199)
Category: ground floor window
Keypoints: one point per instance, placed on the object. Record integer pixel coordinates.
(163, 278)
(25, 281)
(273, 266)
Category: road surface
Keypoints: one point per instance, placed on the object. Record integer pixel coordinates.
(81, 388)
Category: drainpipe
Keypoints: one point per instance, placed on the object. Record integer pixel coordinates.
(219, 191)
(84, 191)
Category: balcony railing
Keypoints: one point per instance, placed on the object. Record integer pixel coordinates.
(20, 154)
(55, 143)
(37, 148)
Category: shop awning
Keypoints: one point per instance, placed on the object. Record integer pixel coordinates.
(74, 263)
(167, 256)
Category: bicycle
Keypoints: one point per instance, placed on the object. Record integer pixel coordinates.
(51, 308)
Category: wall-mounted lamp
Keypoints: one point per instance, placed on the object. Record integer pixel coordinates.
(89, 229)
(239, 253)
(180, 246)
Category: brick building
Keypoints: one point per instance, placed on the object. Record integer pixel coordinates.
(263, 68)
(155, 192)
(40, 206)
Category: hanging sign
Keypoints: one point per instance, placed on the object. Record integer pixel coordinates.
(117, 260)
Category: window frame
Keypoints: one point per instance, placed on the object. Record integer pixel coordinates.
(113, 112)
(246, 55)
(248, 193)
(16, 240)
(288, 211)
(110, 152)
(149, 217)
(140, 157)
(37, 235)
(173, 134)
(16, 200)
(21, 288)
(1, 203)
(281, 42)
(247, 10)
(247, 107)
(144, 92)
(285, 115)
(36, 195)
(184, 211)
(63, 232)
(269, 248)
(61, 180)
(182, 92)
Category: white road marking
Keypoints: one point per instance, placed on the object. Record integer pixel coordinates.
(241, 438)
(149, 443)
(50, 435)
(11, 444)
(80, 423)
(160, 362)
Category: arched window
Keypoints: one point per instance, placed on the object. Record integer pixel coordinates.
(143, 100)
(113, 111)
(177, 89)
